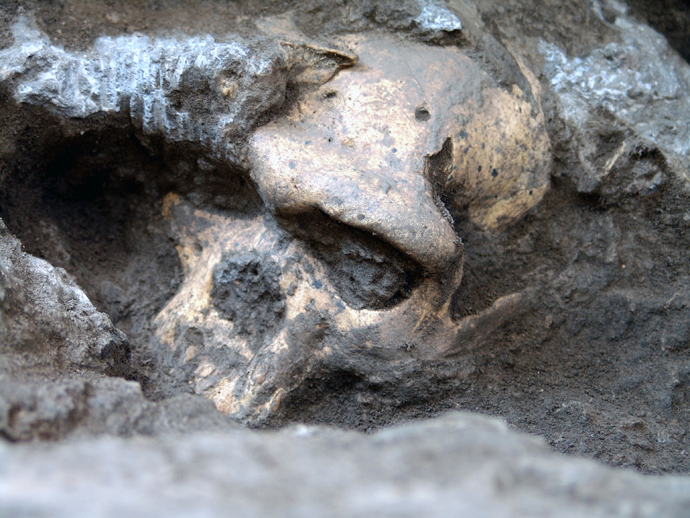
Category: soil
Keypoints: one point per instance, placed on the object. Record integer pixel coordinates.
(600, 363)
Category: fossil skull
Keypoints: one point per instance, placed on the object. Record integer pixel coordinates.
(352, 262)
(361, 175)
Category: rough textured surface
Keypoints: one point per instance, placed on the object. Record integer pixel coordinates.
(55, 409)
(459, 465)
(249, 281)
(45, 318)
(571, 323)
(628, 81)
(195, 90)
(55, 349)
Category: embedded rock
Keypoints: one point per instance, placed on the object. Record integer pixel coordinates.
(458, 465)
(81, 407)
(46, 319)
(625, 107)
(193, 90)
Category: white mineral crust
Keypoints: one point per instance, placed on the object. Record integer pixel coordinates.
(641, 82)
(139, 74)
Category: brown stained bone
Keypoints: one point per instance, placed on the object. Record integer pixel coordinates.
(365, 171)
(356, 148)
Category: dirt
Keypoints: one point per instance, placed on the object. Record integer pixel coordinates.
(249, 281)
(367, 272)
(599, 364)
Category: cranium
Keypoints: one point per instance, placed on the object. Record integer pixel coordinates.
(352, 264)
(363, 172)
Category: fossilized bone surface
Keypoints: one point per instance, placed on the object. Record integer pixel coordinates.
(376, 150)
(188, 183)
(364, 170)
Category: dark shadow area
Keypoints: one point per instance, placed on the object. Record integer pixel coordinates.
(367, 272)
(670, 17)
(91, 203)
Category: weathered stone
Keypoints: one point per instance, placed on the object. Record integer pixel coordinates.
(45, 318)
(459, 465)
(194, 90)
(625, 106)
(56, 409)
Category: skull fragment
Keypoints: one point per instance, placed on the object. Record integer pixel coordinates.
(352, 263)
(364, 173)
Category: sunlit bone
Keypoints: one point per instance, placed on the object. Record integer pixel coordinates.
(379, 157)
(380, 148)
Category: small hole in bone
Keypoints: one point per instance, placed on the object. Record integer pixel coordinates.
(422, 114)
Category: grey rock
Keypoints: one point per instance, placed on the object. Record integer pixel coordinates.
(428, 20)
(195, 89)
(436, 17)
(458, 465)
(643, 88)
(46, 318)
(53, 410)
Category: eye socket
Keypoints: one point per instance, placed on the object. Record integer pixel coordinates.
(422, 113)
(367, 272)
